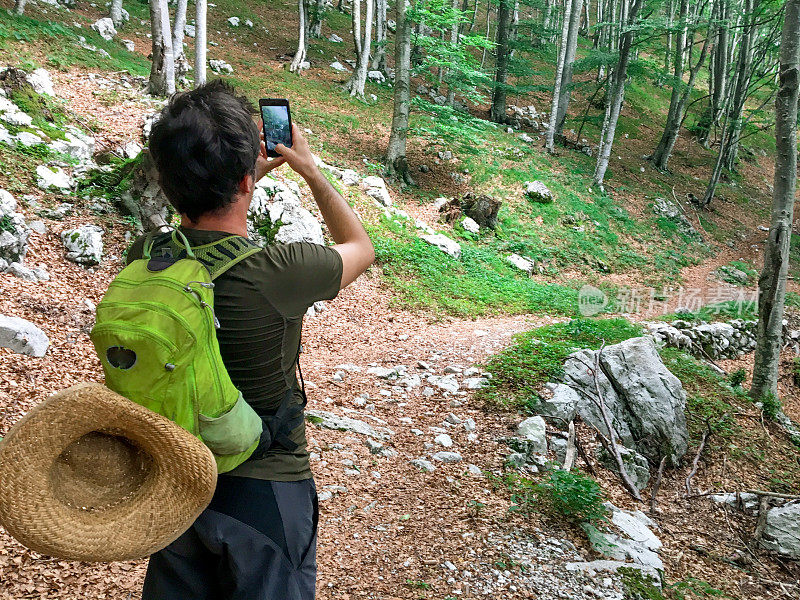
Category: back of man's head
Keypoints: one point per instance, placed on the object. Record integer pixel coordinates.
(204, 144)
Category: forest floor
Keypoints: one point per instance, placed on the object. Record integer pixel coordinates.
(388, 530)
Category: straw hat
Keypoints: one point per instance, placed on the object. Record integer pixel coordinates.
(89, 475)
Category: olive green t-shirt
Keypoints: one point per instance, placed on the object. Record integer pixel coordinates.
(260, 303)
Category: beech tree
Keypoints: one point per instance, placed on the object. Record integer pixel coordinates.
(616, 92)
(115, 12)
(302, 39)
(396, 161)
(772, 283)
(505, 13)
(178, 32)
(680, 91)
(316, 10)
(19, 7)
(201, 10)
(363, 46)
(566, 58)
(379, 56)
(162, 71)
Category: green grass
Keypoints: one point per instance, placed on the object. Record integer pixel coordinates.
(60, 44)
(720, 311)
(481, 282)
(537, 357)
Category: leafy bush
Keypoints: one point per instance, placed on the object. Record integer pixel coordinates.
(737, 377)
(770, 406)
(571, 495)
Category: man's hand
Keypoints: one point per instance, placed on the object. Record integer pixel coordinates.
(299, 155)
(265, 164)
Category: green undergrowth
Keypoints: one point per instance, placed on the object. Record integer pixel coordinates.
(110, 183)
(570, 496)
(720, 311)
(480, 282)
(537, 357)
(27, 37)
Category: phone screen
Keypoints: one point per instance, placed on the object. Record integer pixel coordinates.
(277, 127)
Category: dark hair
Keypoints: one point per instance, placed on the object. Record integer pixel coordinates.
(203, 144)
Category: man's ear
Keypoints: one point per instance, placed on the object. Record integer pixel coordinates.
(247, 184)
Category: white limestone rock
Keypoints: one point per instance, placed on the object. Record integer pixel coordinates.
(444, 243)
(84, 244)
(22, 337)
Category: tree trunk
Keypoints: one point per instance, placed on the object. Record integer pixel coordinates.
(614, 102)
(115, 12)
(504, 15)
(734, 105)
(201, 9)
(546, 22)
(451, 93)
(178, 31)
(302, 37)
(379, 56)
(674, 118)
(19, 7)
(744, 72)
(562, 55)
(363, 45)
(396, 163)
(162, 72)
(317, 16)
(569, 62)
(772, 283)
(670, 12)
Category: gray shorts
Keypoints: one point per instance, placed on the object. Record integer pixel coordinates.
(257, 540)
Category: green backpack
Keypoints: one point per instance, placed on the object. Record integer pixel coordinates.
(156, 338)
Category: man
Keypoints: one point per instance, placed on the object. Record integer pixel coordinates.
(257, 538)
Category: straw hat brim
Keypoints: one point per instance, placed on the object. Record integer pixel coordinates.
(173, 477)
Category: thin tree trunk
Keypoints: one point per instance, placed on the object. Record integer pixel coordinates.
(317, 16)
(614, 102)
(569, 62)
(115, 12)
(379, 57)
(178, 31)
(162, 72)
(451, 93)
(302, 37)
(200, 18)
(562, 54)
(661, 154)
(396, 162)
(363, 45)
(772, 283)
(19, 7)
(744, 72)
(498, 110)
(670, 12)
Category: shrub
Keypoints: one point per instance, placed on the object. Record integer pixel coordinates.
(737, 377)
(571, 495)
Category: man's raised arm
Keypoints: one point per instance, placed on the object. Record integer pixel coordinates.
(352, 241)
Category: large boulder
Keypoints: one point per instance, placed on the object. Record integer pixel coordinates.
(48, 178)
(22, 337)
(277, 215)
(538, 192)
(782, 530)
(670, 211)
(645, 400)
(13, 231)
(84, 244)
(105, 27)
(532, 433)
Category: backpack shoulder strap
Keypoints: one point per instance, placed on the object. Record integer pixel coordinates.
(221, 255)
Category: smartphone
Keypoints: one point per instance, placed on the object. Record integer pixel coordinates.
(277, 123)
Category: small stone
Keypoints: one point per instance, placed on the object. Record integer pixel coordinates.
(447, 457)
(233, 21)
(105, 27)
(444, 440)
(335, 39)
(538, 192)
(423, 465)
